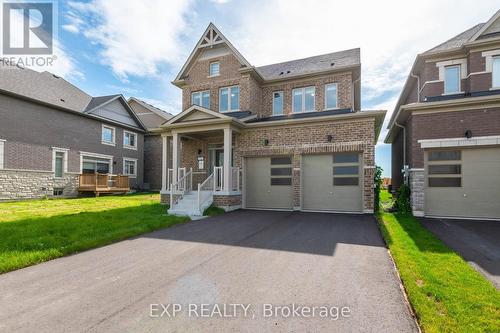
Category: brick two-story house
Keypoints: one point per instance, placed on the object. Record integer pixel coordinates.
(51, 132)
(285, 136)
(445, 130)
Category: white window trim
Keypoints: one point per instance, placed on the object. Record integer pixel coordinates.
(336, 96)
(304, 100)
(229, 99)
(459, 91)
(2, 153)
(114, 135)
(65, 160)
(210, 69)
(282, 102)
(128, 146)
(201, 98)
(492, 74)
(102, 156)
(128, 159)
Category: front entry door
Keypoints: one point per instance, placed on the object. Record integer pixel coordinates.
(216, 159)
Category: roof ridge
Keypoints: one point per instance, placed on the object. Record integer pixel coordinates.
(314, 56)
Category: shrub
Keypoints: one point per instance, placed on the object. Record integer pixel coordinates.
(403, 203)
(378, 184)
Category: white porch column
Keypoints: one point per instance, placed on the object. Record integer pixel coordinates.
(228, 144)
(164, 166)
(175, 156)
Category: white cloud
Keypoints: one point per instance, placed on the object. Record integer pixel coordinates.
(220, 2)
(71, 28)
(136, 37)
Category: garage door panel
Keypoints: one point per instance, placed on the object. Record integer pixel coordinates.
(318, 189)
(259, 193)
(478, 197)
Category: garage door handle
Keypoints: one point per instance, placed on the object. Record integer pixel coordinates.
(331, 193)
(268, 191)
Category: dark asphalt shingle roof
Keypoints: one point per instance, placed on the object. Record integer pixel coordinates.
(457, 41)
(311, 65)
(45, 87)
(96, 101)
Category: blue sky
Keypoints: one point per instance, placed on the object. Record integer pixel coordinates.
(137, 47)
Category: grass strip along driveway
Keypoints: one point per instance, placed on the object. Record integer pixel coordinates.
(446, 293)
(35, 231)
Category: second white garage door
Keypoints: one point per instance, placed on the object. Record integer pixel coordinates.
(332, 182)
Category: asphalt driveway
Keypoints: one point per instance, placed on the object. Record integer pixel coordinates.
(478, 242)
(327, 261)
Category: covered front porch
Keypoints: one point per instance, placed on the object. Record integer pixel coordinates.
(198, 163)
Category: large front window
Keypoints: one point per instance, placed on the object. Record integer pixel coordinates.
(452, 79)
(303, 99)
(229, 99)
(496, 72)
(201, 98)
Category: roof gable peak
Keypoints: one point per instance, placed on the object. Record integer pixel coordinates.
(210, 38)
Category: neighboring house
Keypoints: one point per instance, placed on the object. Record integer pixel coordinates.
(445, 130)
(287, 136)
(51, 131)
(152, 117)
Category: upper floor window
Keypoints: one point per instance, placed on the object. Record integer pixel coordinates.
(496, 72)
(303, 99)
(277, 103)
(108, 135)
(229, 99)
(201, 98)
(214, 68)
(129, 140)
(331, 96)
(452, 79)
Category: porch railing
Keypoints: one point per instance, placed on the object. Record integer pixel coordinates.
(183, 186)
(205, 191)
(170, 178)
(102, 181)
(218, 179)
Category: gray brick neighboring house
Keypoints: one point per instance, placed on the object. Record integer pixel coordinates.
(152, 117)
(445, 129)
(51, 131)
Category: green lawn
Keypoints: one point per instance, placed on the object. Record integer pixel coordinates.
(35, 231)
(447, 294)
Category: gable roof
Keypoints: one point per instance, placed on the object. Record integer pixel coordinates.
(42, 86)
(211, 37)
(310, 65)
(49, 89)
(457, 41)
(150, 115)
(197, 109)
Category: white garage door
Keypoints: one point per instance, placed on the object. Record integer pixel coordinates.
(463, 183)
(332, 182)
(268, 183)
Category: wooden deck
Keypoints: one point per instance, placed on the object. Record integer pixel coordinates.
(103, 183)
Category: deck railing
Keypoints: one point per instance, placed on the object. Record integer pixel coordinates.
(103, 182)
